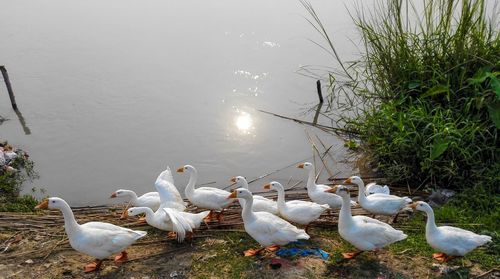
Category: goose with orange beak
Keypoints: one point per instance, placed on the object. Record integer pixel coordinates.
(97, 239)
(317, 192)
(205, 197)
(450, 241)
(364, 233)
(260, 203)
(180, 224)
(379, 204)
(269, 230)
(300, 212)
(150, 199)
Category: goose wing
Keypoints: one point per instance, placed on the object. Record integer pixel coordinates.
(165, 186)
(180, 224)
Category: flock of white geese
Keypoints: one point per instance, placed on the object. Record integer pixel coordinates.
(265, 220)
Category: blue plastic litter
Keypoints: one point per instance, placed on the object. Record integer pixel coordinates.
(302, 252)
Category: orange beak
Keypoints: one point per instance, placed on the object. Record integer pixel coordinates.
(181, 169)
(300, 166)
(333, 189)
(113, 195)
(233, 179)
(232, 196)
(43, 205)
(413, 205)
(267, 186)
(348, 181)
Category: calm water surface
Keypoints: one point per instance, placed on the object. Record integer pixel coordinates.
(114, 91)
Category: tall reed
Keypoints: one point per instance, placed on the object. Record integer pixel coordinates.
(424, 98)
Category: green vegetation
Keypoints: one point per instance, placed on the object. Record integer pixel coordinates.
(425, 97)
(222, 256)
(11, 183)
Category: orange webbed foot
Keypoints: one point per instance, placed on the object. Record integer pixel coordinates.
(351, 255)
(93, 266)
(442, 257)
(250, 252)
(123, 257)
(272, 248)
(210, 217)
(172, 235)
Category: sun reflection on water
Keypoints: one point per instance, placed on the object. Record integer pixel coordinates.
(244, 122)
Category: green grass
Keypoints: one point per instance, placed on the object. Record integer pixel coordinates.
(223, 258)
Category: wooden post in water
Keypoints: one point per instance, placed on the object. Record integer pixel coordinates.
(320, 95)
(9, 87)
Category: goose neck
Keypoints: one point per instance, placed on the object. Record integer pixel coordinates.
(70, 224)
(247, 212)
(193, 177)
(244, 184)
(345, 216)
(361, 192)
(311, 180)
(132, 195)
(281, 197)
(430, 226)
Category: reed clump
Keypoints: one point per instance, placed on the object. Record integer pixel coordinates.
(424, 98)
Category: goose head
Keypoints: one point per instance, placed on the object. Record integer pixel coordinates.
(340, 190)
(118, 193)
(354, 180)
(305, 165)
(135, 211)
(186, 168)
(240, 193)
(421, 206)
(239, 180)
(51, 203)
(273, 185)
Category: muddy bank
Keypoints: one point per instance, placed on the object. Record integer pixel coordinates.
(35, 245)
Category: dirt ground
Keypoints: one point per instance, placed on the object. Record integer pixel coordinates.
(159, 257)
(36, 246)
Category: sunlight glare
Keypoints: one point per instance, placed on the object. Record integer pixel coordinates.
(244, 122)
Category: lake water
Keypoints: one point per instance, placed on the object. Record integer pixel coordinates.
(114, 91)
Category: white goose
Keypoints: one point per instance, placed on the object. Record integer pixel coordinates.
(260, 203)
(150, 199)
(317, 192)
(365, 233)
(267, 229)
(300, 212)
(97, 239)
(374, 188)
(451, 241)
(205, 197)
(170, 219)
(169, 195)
(379, 204)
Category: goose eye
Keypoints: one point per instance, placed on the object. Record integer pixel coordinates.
(53, 201)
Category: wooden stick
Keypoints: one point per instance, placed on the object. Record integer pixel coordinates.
(9, 87)
(318, 88)
(323, 127)
(272, 172)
